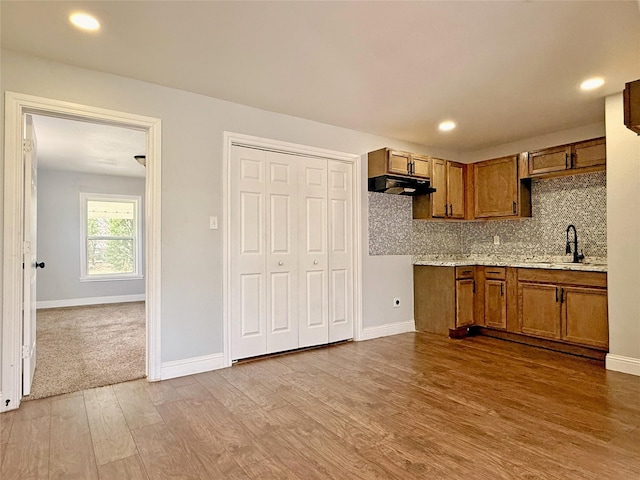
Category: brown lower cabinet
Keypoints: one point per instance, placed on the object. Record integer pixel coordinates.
(444, 298)
(565, 310)
(564, 305)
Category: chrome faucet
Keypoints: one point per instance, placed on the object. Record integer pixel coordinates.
(577, 258)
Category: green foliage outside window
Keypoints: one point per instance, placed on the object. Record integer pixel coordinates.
(111, 232)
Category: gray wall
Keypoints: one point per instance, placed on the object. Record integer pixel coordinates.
(556, 202)
(192, 145)
(59, 234)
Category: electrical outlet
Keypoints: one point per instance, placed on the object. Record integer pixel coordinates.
(496, 239)
(396, 302)
(213, 223)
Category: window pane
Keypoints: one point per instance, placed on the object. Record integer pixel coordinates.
(110, 219)
(105, 257)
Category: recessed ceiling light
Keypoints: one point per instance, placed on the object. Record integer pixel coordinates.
(446, 126)
(592, 83)
(84, 21)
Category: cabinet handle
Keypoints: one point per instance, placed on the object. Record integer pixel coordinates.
(410, 168)
(556, 294)
(474, 286)
(562, 295)
(502, 289)
(466, 272)
(571, 159)
(566, 160)
(446, 210)
(280, 263)
(514, 208)
(451, 209)
(494, 272)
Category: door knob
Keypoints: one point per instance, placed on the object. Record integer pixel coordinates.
(315, 262)
(280, 263)
(40, 265)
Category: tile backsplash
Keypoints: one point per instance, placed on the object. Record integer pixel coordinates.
(556, 203)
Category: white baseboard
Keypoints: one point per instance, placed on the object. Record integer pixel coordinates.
(618, 363)
(386, 330)
(190, 366)
(76, 302)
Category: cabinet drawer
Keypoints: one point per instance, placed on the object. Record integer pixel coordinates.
(465, 272)
(496, 273)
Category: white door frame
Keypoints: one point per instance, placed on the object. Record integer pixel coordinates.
(231, 139)
(16, 105)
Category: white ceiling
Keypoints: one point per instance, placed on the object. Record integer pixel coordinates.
(503, 70)
(88, 147)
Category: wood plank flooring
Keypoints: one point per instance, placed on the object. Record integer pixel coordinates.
(411, 406)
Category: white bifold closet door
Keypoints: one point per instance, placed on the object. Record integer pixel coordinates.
(291, 252)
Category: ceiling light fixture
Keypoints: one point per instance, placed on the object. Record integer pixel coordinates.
(447, 126)
(84, 21)
(592, 83)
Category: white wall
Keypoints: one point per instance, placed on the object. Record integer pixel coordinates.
(192, 136)
(59, 234)
(562, 137)
(623, 220)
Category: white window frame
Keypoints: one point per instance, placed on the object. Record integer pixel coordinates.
(137, 243)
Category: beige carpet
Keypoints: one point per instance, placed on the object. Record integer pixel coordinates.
(89, 346)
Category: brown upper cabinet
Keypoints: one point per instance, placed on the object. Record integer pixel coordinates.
(580, 157)
(394, 162)
(497, 187)
(631, 101)
(448, 180)
(448, 201)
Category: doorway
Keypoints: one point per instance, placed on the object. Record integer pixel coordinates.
(88, 248)
(13, 341)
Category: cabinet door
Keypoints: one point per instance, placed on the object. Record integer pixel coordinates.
(496, 187)
(495, 303)
(455, 189)
(421, 166)
(539, 309)
(590, 153)
(550, 160)
(465, 290)
(584, 316)
(399, 162)
(439, 204)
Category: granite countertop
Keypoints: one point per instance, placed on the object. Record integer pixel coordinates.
(589, 264)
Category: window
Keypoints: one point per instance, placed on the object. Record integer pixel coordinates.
(111, 234)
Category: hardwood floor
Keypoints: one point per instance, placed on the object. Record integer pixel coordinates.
(411, 406)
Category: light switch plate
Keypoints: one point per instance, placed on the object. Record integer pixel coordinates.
(213, 223)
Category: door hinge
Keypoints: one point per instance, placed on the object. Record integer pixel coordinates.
(27, 145)
(25, 351)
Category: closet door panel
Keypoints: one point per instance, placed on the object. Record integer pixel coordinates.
(312, 263)
(282, 258)
(248, 254)
(340, 193)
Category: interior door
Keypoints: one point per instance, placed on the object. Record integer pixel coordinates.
(313, 253)
(340, 198)
(282, 248)
(30, 216)
(248, 252)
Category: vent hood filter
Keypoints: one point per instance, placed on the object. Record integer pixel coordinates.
(400, 185)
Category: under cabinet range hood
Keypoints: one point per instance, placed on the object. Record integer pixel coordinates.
(400, 185)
